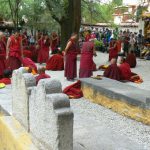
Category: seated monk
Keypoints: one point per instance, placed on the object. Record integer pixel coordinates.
(27, 62)
(6, 77)
(56, 62)
(113, 71)
(125, 69)
(42, 75)
(131, 59)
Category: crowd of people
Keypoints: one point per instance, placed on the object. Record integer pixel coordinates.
(21, 49)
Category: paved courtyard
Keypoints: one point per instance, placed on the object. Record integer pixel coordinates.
(98, 128)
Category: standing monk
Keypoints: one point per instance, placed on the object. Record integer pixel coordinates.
(86, 61)
(54, 42)
(14, 51)
(2, 54)
(113, 50)
(44, 44)
(71, 58)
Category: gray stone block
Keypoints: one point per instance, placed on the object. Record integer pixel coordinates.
(51, 119)
(21, 87)
(118, 90)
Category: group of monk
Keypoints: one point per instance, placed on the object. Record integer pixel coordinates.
(17, 51)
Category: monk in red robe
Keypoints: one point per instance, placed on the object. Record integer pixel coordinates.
(131, 59)
(27, 62)
(113, 71)
(14, 51)
(125, 70)
(42, 75)
(113, 50)
(54, 42)
(86, 61)
(44, 44)
(2, 55)
(56, 62)
(6, 77)
(71, 52)
(88, 36)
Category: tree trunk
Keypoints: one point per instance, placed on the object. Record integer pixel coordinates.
(71, 23)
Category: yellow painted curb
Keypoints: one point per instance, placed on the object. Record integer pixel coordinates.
(133, 112)
(13, 136)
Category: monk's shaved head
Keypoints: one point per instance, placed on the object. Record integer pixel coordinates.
(122, 60)
(1, 34)
(41, 70)
(113, 61)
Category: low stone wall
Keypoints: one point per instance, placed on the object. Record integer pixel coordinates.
(121, 98)
(43, 110)
(22, 84)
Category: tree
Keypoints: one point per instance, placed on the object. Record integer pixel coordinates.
(118, 2)
(68, 14)
(14, 6)
(94, 12)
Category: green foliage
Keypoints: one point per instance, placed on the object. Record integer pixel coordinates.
(117, 2)
(98, 43)
(97, 12)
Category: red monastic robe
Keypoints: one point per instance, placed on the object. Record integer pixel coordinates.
(125, 71)
(113, 72)
(5, 81)
(131, 60)
(2, 57)
(71, 61)
(74, 90)
(14, 60)
(27, 62)
(113, 51)
(43, 55)
(56, 62)
(86, 61)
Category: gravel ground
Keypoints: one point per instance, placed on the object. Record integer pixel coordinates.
(122, 125)
(112, 121)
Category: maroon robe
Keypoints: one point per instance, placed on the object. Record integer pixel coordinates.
(74, 90)
(43, 55)
(2, 57)
(41, 76)
(27, 62)
(14, 60)
(113, 72)
(54, 44)
(71, 61)
(113, 51)
(125, 71)
(5, 81)
(131, 60)
(56, 62)
(86, 61)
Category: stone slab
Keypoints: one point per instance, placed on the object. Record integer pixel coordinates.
(120, 91)
(51, 119)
